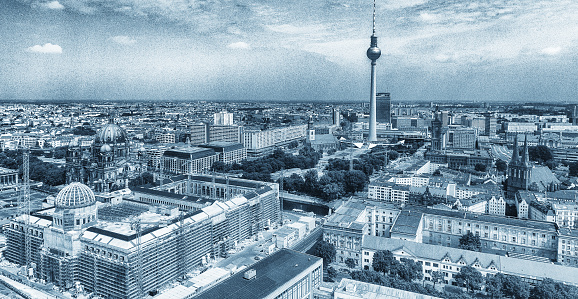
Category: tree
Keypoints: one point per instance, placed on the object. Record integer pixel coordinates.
(437, 276)
(501, 165)
(471, 242)
(331, 273)
(540, 153)
(573, 169)
(383, 261)
(350, 263)
(514, 287)
(409, 270)
(219, 166)
(355, 181)
(470, 278)
(331, 191)
(59, 152)
(480, 167)
(494, 285)
(310, 178)
(326, 251)
(549, 289)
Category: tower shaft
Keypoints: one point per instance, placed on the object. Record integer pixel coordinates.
(372, 105)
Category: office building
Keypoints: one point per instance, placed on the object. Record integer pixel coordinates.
(383, 108)
(187, 160)
(228, 152)
(223, 118)
(261, 143)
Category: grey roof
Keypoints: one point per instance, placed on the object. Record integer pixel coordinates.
(564, 195)
(219, 146)
(232, 181)
(272, 273)
(543, 176)
(407, 223)
(189, 153)
(171, 195)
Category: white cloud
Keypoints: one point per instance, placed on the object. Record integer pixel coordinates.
(47, 48)
(427, 17)
(239, 45)
(54, 5)
(551, 50)
(123, 40)
(444, 58)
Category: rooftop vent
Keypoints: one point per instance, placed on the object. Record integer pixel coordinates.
(250, 274)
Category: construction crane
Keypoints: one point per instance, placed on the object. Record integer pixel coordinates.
(136, 225)
(24, 207)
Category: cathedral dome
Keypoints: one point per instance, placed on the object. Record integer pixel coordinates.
(110, 133)
(75, 195)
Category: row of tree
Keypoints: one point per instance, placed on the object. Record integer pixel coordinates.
(40, 171)
(261, 169)
(332, 185)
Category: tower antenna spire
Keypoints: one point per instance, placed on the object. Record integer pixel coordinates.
(373, 17)
(373, 53)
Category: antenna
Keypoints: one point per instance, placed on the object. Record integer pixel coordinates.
(373, 17)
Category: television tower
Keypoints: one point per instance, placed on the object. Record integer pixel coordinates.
(373, 53)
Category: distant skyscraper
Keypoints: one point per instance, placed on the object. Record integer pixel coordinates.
(336, 116)
(223, 118)
(373, 53)
(572, 113)
(383, 101)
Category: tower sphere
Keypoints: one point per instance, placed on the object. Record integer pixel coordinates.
(373, 53)
(75, 195)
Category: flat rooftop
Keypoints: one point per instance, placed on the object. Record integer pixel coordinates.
(272, 272)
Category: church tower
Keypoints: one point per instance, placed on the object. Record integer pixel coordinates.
(519, 169)
(437, 136)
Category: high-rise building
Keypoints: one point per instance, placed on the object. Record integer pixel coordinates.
(572, 113)
(373, 53)
(383, 102)
(223, 118)
(336, 116)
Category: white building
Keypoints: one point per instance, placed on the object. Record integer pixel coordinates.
(387, 191)
(260, 143)
(497, 206)
(223, 118)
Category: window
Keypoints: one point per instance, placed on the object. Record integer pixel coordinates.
(435, 265)
(427, 263)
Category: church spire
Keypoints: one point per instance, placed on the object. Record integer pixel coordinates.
(525, 157)
(515, 155)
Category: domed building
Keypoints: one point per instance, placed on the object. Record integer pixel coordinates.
(104, 165)
(75, 211)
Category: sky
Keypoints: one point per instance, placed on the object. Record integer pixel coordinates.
(290, 50)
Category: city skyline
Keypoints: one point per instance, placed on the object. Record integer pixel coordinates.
(301, 51)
